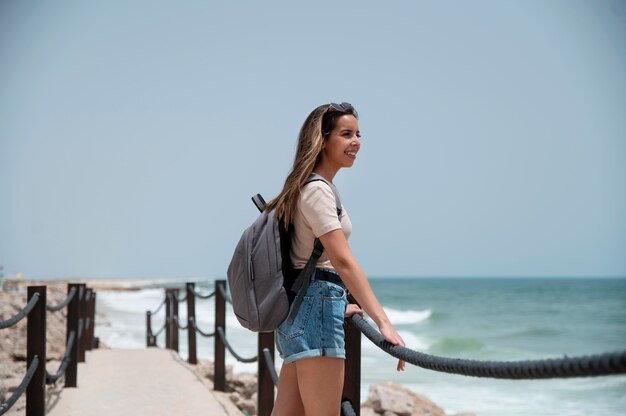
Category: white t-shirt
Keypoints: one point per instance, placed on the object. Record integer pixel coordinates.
(316, 214)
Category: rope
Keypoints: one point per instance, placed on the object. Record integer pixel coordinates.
(21, 314)
(52, 378)
(592, 365)
(220, 331)
(159, 331)
(225, 295)
(207, 296)
(346, 408)
(204, 334)
(270, 365)
(183, 299)
(65, 302)
(179, 325)
(158, 308)
(22, 387)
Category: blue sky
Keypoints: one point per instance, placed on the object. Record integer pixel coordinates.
(132, 134)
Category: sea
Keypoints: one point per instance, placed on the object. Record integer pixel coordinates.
(499, 319)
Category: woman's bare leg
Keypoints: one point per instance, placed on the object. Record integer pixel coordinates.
(320, 381)
(288, 401)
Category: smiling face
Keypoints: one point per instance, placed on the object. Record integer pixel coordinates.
(341, 145)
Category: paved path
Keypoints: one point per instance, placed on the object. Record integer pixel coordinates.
(138, 382)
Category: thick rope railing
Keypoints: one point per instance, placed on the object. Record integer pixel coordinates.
(585, 366)
(52, 378)
(21, 314)
(64, 303)
(158, 307)
(220, 332)
(4, 407)
(270, 365)
(181, 327)
(159, 331)
(195, 328)
(347, 409)
(204, 296)
(184, 298)
(225, 295)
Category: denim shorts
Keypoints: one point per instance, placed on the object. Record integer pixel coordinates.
(317, 330)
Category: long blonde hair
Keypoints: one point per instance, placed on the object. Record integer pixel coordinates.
(314, 131)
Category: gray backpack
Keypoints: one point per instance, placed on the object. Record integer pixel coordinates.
(260, 265)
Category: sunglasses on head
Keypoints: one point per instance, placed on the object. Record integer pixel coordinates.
(343, 107)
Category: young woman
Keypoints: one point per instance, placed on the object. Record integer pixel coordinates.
(313, 346)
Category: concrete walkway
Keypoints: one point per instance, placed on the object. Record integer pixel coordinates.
(136, 382)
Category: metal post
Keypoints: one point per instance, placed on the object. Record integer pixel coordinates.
(36, 347)
(352, 375)
(72, 325)
(82, 316)
(265, 385)
(219, 378)
(191, 316)
(168, 317)
(175, 320)
(148, 329)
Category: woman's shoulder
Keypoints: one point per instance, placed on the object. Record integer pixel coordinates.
(316, 190)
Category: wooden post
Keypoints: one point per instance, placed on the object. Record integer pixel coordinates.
(82, 315)
(72, 325)
(36, 347)
(219, 377)
(191, 316)
(175, 320)
(92, 318)
(352, 376)
(148, 329)
(265, 385)
(87, 340)
(168, 317)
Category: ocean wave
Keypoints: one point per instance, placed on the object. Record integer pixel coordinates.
(398, 317)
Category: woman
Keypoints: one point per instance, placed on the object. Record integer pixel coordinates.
(313, 346)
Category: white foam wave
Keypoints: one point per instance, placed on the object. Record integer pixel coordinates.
(398, 317)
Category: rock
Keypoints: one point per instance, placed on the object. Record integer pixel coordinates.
(368, 411)
(390, 399)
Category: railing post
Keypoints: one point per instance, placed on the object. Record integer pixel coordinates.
(36, 346)
(191, 316)
(87, 340)
(92, 318)
(352, 375)
(82, 316)
(265, 384)
(175, 320)
(148, 329)
(72, 325)
(219, 376)
(168, 318)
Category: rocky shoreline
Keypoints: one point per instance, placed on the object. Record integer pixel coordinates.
(386, 399)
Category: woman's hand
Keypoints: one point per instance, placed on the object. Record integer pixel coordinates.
(391, 335)
(351, 309)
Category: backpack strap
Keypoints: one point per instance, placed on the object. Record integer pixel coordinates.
(301, 284)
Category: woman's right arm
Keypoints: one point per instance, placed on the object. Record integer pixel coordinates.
(342, 259)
